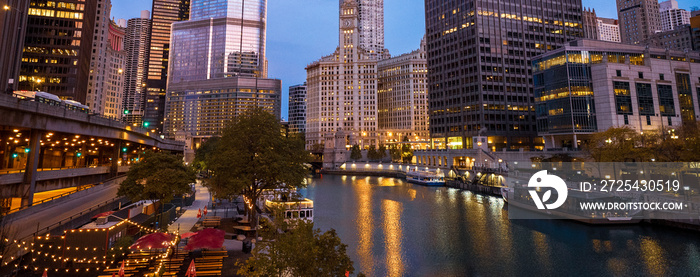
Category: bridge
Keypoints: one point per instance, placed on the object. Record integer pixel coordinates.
(45, 147)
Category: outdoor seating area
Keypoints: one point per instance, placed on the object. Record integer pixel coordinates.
(210, 263)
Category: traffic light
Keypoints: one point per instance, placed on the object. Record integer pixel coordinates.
(126, 111)
(14, 155)
(145, 124)
(26, 150)
(79, 154)
(124, 149)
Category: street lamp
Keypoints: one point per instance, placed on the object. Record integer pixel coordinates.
(6, 7)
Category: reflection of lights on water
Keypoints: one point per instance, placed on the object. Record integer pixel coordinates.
(365, 225)
(393, 234)
(654, 257)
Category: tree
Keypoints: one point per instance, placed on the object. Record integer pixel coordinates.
(395, 153)
(203, 152)
(406, 151)
(381, 151)
(372, 153)
(252, 156)
(158, 176)
(299, 251)
(617, 144)
(355, 153)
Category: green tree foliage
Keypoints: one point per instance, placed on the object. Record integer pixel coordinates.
(355, 153)
(406, 151)
(203, 152)
(158, 176)
(252, 155)
(381, 151)
(299, 251)
(372, 153)
(395, 153)
(616, 144)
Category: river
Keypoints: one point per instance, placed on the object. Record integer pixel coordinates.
(394, 228)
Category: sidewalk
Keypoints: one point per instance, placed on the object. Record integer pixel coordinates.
(202, 198)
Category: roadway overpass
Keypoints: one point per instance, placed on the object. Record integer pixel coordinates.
(46, 147)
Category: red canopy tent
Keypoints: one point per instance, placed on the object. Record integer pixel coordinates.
(103, 214)
(209, 238)
(187, 235)
(155, 240)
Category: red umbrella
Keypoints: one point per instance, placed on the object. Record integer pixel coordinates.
(155, 240)
(187, 235)
(208, 238)
(191, 270)
(103, 214)
(121, 270)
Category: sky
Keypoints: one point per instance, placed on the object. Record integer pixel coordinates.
(300, 32)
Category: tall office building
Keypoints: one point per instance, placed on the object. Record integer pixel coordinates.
(138, 34)
(371, 26)
(342, 87)
(217, 69)
(165, 12)
(96, 92)
(590, 24)
(480, 70)
(57, 48)
(639, 20)
(297, 108)
(672, 16)
(590, 86)
(116, 63)
(608, 29)
(402, 97)
(13, 25)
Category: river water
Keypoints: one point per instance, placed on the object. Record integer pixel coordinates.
(394, 228)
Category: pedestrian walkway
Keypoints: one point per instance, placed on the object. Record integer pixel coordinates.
(202, 198)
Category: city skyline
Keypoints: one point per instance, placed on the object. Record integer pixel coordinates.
(301, 27)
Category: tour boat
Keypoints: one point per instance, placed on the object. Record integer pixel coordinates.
(425, 178)
(292, 209)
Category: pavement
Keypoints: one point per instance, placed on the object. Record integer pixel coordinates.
(187, 220)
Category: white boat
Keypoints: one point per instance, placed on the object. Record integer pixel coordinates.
(292, 209)
(425, 178)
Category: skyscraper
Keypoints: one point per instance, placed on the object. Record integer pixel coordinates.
(639, 20)
(371, 25)
(13, 25)
(402, 97)
(217, 69)
(590, 24)
(672, 16)
(297, 108)
(138, 33)
(479, 67)
(342, 87)
(165, 12)
(116, 62)
(57, 48)
(608, 29)
(96, 92)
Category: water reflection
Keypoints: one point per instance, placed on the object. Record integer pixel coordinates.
(394, 228)
(393, 234)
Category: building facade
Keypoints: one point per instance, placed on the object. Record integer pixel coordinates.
(590, 24)
(479, 67)
(608, 29)
(13, 26)
(680, 39)
(116, 62)
(136, 43)
(590, 86)
(217, 70)
(639, 20)
(57, 48)
(96, 92)
(297, 108)
(342, 87)
(695, 32)
(672, 16)
(402, 98)
(371, 26)
(165, 12)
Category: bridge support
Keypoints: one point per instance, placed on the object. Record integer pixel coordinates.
(114, 169)
(32, 165)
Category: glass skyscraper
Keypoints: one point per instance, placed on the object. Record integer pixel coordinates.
(217, 69)
(223, 38)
